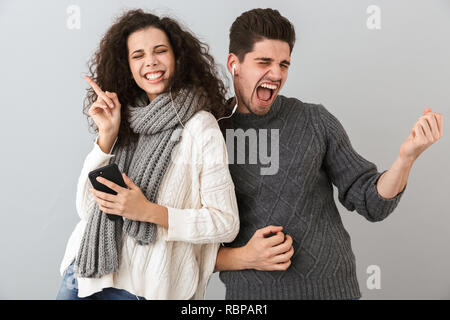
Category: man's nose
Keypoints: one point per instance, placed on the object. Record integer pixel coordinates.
(275, 73)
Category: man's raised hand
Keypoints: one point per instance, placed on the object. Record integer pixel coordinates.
(427, 130)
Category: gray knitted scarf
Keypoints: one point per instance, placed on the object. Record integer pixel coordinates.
(145, 163)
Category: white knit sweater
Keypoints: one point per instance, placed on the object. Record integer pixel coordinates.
(199, 193)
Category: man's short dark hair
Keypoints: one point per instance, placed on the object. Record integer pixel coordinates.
(259, 24)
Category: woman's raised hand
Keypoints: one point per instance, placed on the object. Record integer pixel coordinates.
(105, 111)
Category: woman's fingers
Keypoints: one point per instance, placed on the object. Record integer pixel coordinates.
(99, 91)
(94, 109)
(108, 210)
(111, 184)
(104, 204)
(114, 98)
(103, 195)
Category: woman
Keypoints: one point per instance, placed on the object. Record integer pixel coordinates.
(153, 81)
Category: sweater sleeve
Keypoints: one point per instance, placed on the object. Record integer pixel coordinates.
(354, 176)
(217, 220)
(84, 199)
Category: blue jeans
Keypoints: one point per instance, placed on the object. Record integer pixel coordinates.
(69, 290)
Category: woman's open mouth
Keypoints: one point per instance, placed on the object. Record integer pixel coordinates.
(266, 92)
(154, 77)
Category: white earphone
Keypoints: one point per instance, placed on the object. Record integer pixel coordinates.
(233, 73)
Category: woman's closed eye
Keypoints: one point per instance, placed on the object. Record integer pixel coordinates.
(157, 52)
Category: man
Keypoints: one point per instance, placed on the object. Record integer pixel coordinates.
(292, 243)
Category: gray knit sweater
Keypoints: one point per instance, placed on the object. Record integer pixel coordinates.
(314, 153)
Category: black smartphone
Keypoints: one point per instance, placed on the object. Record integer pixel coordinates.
(112, 173)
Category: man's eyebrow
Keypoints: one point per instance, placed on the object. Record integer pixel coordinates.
(266, 59)
(154, 48)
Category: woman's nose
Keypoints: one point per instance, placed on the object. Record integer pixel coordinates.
(151, 60)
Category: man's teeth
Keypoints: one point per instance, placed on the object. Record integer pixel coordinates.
(269, 86)
(153, 76)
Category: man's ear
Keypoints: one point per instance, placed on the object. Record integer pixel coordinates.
(233, 64)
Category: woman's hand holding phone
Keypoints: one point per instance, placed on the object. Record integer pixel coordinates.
(130, 203)
(105, 112)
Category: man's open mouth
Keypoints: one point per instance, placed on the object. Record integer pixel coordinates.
(266, 90)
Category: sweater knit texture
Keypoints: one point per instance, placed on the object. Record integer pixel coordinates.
(314, 153)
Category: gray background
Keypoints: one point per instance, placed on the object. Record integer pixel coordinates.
(377, 82)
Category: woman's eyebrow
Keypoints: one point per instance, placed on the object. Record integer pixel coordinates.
(139, 50)
(142, 50)
(159, 45)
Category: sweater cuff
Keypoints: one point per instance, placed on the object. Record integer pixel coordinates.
(99, 150)
(177, 225)
(96, 158)
(377, 205)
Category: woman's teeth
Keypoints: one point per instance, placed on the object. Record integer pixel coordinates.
(153, 76)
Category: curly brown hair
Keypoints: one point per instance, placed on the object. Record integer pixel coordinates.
(194, 67)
